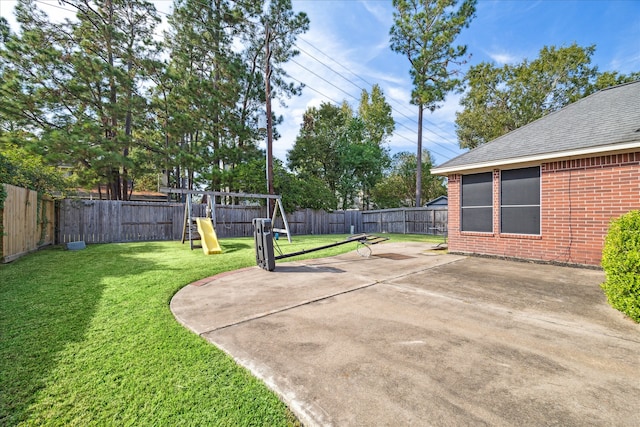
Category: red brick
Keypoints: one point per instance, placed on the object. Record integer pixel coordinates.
(598, 189)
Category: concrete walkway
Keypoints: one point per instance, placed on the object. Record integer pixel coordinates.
(417, 337)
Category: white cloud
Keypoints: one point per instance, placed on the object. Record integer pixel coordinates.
(502, 58)
(381, 11)
(625, 62)
(447, 112)
(398, 94)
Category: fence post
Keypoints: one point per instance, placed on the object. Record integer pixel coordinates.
(435, 227)
(404, 221)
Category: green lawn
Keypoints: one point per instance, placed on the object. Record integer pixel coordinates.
(87, 338)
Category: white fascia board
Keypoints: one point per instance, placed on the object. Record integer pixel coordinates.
(539, 158)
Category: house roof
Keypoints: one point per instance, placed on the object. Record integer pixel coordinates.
(604, 122)
(438, 201)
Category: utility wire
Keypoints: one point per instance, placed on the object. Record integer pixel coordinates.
(447, 157)
(354, 97)
(370, 85)
(338, 103)
(57, 6)
(361, 88)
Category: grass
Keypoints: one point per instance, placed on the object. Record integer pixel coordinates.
(87, 338)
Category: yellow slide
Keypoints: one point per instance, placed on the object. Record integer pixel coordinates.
(208, 235)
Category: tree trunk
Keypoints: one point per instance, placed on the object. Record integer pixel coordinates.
(127, 133)
(116, 193)
(419, 158)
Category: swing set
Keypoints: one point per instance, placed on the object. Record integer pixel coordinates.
(203, 229)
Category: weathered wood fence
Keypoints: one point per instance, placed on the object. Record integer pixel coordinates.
(27, 222)
(406, 221)
(101, 221)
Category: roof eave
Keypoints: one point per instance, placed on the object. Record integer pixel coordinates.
(538, 158)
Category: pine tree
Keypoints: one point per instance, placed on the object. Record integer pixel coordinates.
(425, 31)
(77, 85)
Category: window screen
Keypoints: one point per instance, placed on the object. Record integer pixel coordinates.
(520, 201)
(477, 202)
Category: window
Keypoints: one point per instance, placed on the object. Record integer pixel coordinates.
(477, 202)
(520, 201)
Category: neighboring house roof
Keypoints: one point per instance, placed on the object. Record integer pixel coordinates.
(438, 201)
(604, 122)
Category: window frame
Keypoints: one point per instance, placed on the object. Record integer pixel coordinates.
(470, 208)
(523, 207)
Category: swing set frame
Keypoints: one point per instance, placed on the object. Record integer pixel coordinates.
(190, 193)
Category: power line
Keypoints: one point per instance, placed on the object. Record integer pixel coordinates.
(322, 78)
(359, 87)
(447, 157)
(370, 85)
(352, 96)
(353, 83)
(57, 6)
(338, 103)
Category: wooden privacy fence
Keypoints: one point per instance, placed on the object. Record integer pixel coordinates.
(27, 222)
(102, 221)
(309, 221)
(406, 221)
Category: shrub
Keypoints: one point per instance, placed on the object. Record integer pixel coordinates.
(621, 263)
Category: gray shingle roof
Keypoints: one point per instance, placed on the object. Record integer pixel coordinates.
(608, 117)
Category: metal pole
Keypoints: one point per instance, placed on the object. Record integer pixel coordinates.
(361, 238)
(270, 189)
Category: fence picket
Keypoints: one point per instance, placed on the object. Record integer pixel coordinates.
(117, 221)
(27, 222)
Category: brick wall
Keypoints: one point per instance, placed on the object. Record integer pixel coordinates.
(579, 199)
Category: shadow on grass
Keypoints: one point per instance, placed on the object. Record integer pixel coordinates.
(47, 301)
(231, 246)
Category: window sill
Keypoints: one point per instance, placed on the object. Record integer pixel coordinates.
(520, 236)
(477, 233)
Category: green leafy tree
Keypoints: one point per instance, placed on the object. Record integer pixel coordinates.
(77, 85)
(501, 99)
(372, 157)
(363, 162)
(345, 150)
(398, 187)
(425, 31)
(297, 193)
(375, 113)
(613, 78)
(202, 88)
(23, 169)
(212, 94)
(26, 60)
(316, 151)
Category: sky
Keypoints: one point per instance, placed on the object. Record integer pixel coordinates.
(347, 50)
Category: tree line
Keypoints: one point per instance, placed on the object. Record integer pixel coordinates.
(499, 99)
(496, 99)
(117, 103)
(106, 96)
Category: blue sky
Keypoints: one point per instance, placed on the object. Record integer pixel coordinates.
(347, 49)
